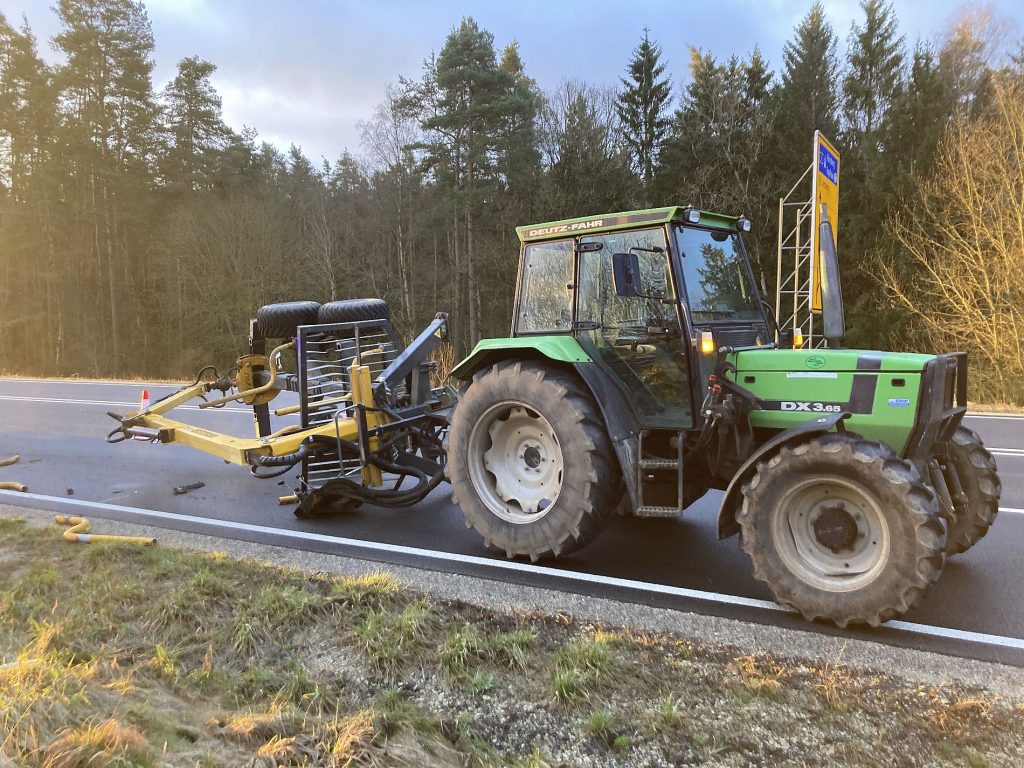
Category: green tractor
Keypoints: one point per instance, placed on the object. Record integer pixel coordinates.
(644, 369)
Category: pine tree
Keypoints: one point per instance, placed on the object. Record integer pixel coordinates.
(519, 159)
(588, 168)
(971, 51)
(29, 201)
(467, 104)
(808, 98)
(715, 154)
(109, 132)
(642, 107)
(194, 126)
(872, 86)
(874, 73)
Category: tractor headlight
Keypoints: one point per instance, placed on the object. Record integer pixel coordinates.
(693, 216)
(743, 224)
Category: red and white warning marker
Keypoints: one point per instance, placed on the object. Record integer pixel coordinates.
(145, 400)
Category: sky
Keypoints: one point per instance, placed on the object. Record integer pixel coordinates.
(307, 71)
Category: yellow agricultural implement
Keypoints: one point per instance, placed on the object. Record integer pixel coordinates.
(369, 418)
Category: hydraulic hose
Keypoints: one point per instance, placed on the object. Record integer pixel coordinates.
(8, 485)
(79, 532)
(285, 462)
(343, 488)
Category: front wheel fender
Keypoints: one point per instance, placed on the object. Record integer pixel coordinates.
(727, 525)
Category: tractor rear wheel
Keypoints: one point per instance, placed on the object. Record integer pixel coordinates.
(842, 529)
(531, 464)
(976, 469)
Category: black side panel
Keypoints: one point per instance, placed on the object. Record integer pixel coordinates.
(622, 426)
(258, 346)
(942, 405)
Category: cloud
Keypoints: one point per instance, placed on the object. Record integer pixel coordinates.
(307, 72)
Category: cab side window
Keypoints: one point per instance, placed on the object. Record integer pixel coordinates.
(545, 302)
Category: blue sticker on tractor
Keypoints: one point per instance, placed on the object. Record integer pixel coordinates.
(899, 402)
(828, 164)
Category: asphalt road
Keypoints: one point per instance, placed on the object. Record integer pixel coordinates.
(58, 429)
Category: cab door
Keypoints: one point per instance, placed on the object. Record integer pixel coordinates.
(639, 339)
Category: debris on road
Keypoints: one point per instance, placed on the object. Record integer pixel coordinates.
(79, 532)
(180, 490)
(10, 485)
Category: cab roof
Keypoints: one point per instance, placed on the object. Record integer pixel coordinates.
(623, 220)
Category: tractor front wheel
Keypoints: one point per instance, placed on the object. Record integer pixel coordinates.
(842, 529)
(976, 469)
(531, 464)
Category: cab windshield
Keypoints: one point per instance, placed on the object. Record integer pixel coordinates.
(718, 282)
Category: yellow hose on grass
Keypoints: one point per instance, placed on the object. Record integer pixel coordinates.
(79, 532)
(11, 486)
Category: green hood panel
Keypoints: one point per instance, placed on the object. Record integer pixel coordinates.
(564, 349)
(828, 360)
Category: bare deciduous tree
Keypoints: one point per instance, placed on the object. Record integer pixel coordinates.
(962, 240)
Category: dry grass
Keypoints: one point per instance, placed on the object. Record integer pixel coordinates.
(1008, 408)
(160, 658)
(444, 357)
(105, 743)
(836, 684)
(760, 674)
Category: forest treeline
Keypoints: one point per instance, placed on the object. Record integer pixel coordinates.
(138, 231)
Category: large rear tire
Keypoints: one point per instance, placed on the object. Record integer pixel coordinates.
(531, 464)
(842, 529)
(976, 469)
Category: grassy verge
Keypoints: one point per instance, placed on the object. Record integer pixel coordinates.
(118, 656)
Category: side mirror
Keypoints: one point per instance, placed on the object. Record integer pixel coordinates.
(833, 319)
(626, 274)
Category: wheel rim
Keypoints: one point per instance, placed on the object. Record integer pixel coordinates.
(832, 534)
(515, 462)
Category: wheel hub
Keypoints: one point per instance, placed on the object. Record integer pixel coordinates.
(835, 528)
(533, 457)
(520, 472)
(832, 533)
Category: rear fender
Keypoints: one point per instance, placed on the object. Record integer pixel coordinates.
(487, 352)
(727, 525)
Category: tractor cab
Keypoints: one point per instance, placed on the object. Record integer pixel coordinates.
(648, 295)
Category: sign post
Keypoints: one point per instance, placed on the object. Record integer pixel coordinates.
(824, 189)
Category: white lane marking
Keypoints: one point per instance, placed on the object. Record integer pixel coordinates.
(987, 415)
(72, 401)
(1006, 451)
(13, 497)
(1012, 510)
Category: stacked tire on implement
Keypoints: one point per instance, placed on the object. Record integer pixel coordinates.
(281, 321)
